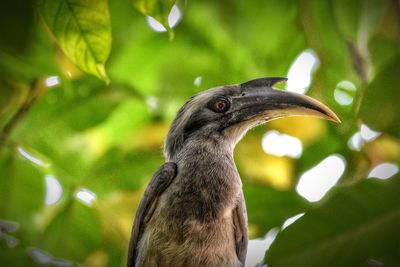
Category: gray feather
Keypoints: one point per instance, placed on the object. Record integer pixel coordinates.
(158, 183)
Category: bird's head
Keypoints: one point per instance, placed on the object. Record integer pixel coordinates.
(224, 114)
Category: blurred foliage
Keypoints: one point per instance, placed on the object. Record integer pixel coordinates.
(60, 120)
(350, 236)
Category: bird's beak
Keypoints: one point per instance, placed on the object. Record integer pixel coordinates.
(259, 103)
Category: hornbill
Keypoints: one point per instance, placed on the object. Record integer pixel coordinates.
(193, 212)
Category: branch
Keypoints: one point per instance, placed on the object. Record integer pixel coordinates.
(33, 94)
(359, 66)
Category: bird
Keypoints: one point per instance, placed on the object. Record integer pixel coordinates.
(193, 211)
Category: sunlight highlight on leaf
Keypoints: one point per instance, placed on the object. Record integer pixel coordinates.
(82, 30)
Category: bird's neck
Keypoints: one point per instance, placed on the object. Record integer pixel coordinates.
(205, 149)
(208, 180)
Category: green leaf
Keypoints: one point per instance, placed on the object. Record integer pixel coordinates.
(82, 29)
(317, 151)
(37, 59)
(379, 108)
(347, 17)
(15, 255)
(21, 187)
(74, 233)
(126, 118)
(158, 9)
(115, 172)
(60, 116)
(268, 207)
(352, 226)
(22, 196)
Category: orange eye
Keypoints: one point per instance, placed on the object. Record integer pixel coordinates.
(220, 105)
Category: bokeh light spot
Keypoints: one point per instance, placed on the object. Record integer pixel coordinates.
(257, 247)
(44, 258)
(367, 133)
(173, 18)
(52, 81)
(300, 73)
(344, 93)
(355, 142)
(32, 158)
(384, 171)
(316, 182)
(54, 190)
(7, 227)
(152, 102)
(275, 143)
(155, 25)
(197, 81)
(291, 220)
(86, 196)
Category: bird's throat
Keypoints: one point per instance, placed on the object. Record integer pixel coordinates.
(207, 182)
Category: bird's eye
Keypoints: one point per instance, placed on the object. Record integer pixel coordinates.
(220, 104)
